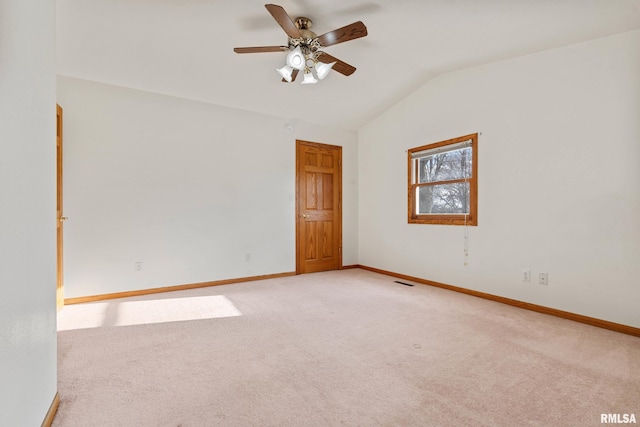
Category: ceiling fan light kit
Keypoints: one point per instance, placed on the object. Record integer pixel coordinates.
(304, 47)
(303, 56)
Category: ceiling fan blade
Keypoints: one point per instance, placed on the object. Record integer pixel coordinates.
(294, 74)
(259, 49)
(340, 66)
(283, 20)
(344, 34)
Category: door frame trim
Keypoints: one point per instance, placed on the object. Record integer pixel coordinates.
(59, 209)
(300, 142)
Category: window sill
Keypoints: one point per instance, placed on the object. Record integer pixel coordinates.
(444, 220)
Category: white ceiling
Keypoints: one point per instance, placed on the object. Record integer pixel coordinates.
(184, 48)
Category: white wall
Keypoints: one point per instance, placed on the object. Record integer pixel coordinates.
(27, 212)
(559, 176)
(187, 188)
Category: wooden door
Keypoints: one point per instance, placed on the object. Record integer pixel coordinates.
(318, 207)
(59, 214)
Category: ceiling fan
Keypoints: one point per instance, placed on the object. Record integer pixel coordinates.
(305, 47)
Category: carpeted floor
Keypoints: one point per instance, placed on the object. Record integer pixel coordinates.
(343, 348)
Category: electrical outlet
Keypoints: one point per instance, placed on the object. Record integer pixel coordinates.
(526, 275)
(138, 266)
(543, 279)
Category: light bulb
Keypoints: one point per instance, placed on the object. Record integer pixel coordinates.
(295, 59)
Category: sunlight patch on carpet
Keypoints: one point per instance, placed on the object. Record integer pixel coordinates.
(127, 313)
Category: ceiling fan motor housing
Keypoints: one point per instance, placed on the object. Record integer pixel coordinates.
(303, 23)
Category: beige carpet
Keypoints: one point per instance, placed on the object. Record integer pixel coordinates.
(347, 348)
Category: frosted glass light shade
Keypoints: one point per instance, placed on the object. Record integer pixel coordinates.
(322, 69)
(309, 79)
(285, 72)
(295, 59)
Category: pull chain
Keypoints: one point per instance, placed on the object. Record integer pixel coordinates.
(466, 240)
(466, 225)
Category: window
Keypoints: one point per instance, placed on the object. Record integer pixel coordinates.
(443, 182)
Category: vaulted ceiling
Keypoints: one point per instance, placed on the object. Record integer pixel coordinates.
(184, 48)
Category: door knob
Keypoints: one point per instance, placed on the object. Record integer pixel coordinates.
(304, 216)
(63, 218)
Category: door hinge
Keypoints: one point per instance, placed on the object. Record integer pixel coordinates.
(340, 163)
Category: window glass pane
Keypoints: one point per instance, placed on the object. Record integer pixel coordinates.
(455, 164)
(443, 199)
